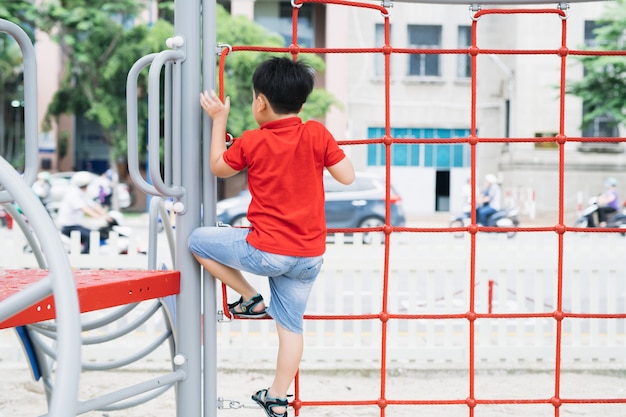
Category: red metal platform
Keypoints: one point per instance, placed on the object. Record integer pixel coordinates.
(97, 289)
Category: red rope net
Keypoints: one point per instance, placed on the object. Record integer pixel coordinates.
(471, 401)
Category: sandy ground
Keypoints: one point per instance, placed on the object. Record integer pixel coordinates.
(21, 396)
(499, 392)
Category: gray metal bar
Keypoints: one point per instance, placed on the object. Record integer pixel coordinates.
(90, 366)
(153, 215)
(176, 148)
(129, 392)
(49, 351)
(167, 123)
(169, 233)
(136, 401)
(63, 400)
(154, 122)
(209, 199)
(109, 318)
(156, 208)
(132, 124)
(188, 306)
(23, 299)
(31, 158)
(127, 328)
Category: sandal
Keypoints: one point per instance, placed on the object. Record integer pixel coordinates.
(247, 307)
(267, 403)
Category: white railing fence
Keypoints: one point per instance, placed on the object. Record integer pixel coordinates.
(428, 277)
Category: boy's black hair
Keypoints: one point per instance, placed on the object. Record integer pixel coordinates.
(285, 83)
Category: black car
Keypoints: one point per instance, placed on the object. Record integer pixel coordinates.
(360, 204)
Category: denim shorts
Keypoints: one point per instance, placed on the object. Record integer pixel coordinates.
(291, 278)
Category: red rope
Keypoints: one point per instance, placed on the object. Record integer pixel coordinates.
(473, 140)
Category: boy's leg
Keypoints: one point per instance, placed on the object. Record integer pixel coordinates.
(233, 278)
(215, 248)
(290, 348)
(290, 294)
(85, 238)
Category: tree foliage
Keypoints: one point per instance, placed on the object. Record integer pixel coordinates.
(240, 65)
(100, 41)
(20, 12)
(603, 87)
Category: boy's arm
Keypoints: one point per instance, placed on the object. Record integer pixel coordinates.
(218, 112)
(342, 171)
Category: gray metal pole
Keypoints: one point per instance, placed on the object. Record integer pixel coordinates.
(31, 152)
(187, 25)
(60, 280)
(209, 198)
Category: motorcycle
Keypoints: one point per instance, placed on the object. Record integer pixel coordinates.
(615, 220)
(506, 218)
(116, 224)
(105, 228)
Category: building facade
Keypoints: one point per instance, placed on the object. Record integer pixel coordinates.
(430, 97)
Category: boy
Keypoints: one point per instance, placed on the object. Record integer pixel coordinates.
(285, 159)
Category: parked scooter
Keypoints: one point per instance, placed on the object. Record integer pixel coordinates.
(615, 220)
(506, 218)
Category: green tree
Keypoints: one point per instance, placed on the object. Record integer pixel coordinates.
(603, 87)
(100, 41)
(23, 14)
(240, 65)
(100, 44)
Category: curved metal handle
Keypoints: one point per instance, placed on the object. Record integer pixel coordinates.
(132, 124)
(154, 92)
(31, 163)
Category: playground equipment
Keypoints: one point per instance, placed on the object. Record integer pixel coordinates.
(194, 370)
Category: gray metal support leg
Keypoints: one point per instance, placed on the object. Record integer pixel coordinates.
(209, 43)
(189, 401)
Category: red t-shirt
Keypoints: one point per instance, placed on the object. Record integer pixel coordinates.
(285, 160)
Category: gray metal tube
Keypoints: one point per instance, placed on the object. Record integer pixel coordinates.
(132, 124)
(64, 398)
(167, 123)
(209, 44)
(176, 146)
(188, 307)
(154, 122)
(21, 300)
(31, 159)
(125, 393)
(153, 215)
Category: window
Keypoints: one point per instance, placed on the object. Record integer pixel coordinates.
(446, 155)
(276, 17)
(464, 62)
(603, 125)
(379, 59)
(546, 145)
(590, 37)
(424, 37)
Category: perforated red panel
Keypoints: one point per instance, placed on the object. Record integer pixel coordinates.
(97, 289)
